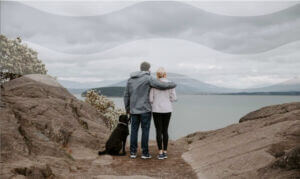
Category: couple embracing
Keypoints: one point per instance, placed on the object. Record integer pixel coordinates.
(146, 96)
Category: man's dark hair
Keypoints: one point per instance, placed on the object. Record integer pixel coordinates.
(145, 66)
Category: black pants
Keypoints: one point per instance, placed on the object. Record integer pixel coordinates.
(161, 122)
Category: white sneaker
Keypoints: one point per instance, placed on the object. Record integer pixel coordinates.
(147, 156)
(133, 155)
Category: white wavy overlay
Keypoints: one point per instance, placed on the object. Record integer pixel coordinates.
(184, 57)
(92, 8)
(82, 35)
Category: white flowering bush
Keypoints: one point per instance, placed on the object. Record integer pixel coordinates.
(106, 107)
(17, 59)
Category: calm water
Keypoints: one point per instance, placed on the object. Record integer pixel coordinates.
(207, 112)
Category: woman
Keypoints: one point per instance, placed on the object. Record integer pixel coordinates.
(161, 101)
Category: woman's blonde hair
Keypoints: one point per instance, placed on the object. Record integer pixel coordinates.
(161, 73)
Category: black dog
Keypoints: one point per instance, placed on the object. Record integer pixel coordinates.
(117, 139)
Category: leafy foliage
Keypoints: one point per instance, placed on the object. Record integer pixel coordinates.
(17, 59)
(104, 106)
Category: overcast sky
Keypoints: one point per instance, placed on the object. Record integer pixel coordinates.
(228, 44)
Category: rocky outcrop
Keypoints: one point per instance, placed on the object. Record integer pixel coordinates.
(44, 128)
(290, 160)
(47, 133)
(265, 144)
(269, 111)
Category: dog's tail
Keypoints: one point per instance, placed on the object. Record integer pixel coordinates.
(102, 153)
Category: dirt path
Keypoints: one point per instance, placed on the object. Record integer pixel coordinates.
(110, 166)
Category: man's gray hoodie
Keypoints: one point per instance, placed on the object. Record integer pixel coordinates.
(136, 97)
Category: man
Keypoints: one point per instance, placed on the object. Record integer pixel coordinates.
(137, 104)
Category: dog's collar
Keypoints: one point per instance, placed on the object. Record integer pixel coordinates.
(123, 123)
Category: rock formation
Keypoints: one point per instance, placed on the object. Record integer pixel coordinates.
(47, 133)
(265, 144)
(44, 128)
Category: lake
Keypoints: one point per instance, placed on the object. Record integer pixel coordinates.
(208, 112)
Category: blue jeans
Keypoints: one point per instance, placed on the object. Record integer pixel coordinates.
(145, 120)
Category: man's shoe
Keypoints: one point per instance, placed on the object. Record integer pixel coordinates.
(146, 156)
(133, 155)
(160, 156)
(165, 155)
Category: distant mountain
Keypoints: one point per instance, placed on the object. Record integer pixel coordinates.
(107, 91)
(75, 91)
(85, 85)
(187, 85)
(81, 88)
(292, 85)
(120, 83)
(289, 93)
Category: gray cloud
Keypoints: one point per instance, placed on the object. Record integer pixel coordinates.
(236, 8)
(83, 35)
(259, 50)
(179, 56)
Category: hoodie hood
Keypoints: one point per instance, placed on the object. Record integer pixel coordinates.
(138, 74)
